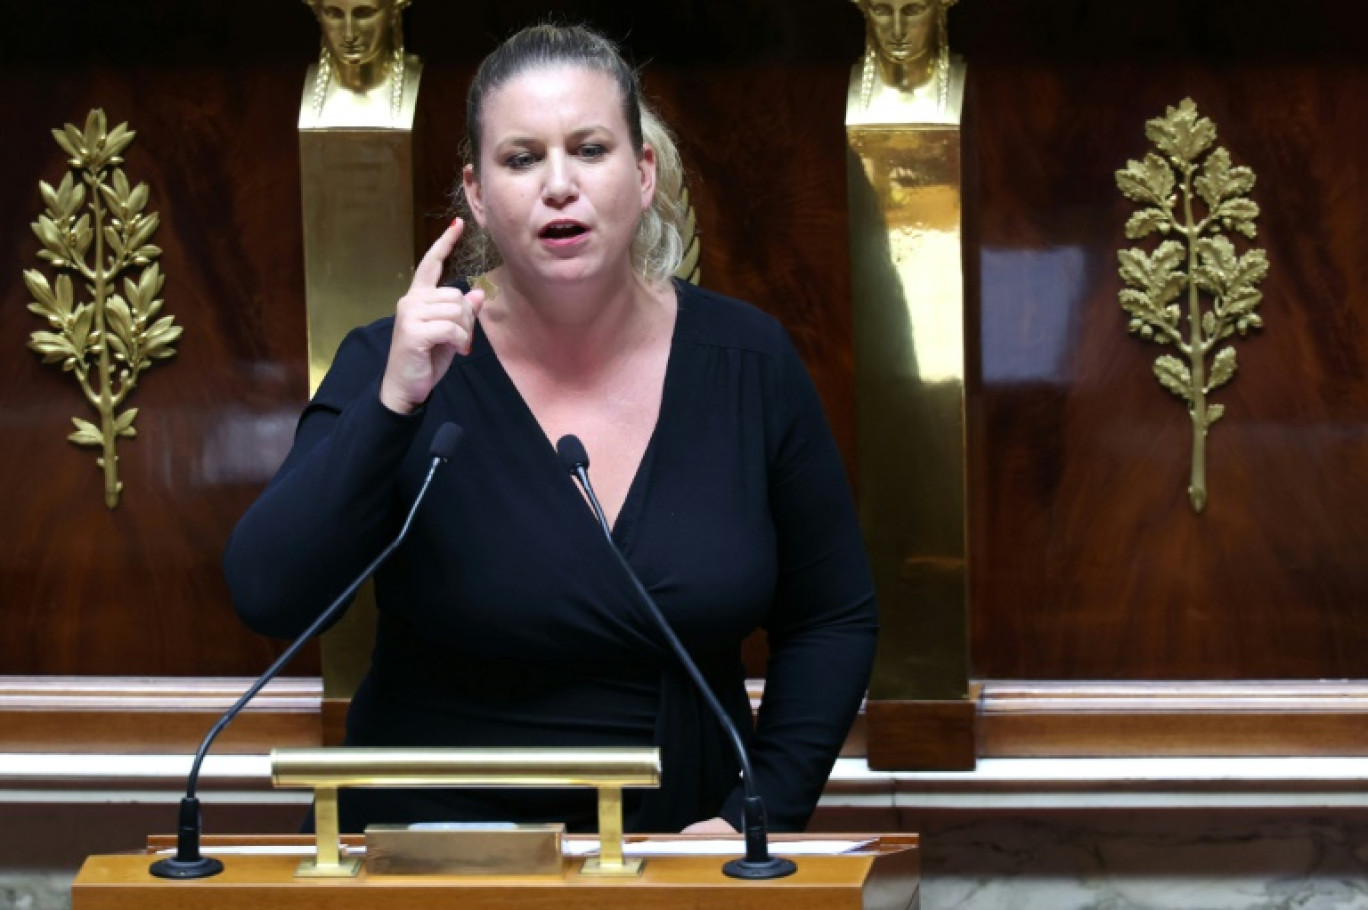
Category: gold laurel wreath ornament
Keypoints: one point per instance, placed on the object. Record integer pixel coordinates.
(108, 340)
(1191, 195)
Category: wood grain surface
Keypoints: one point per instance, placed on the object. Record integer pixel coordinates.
(884, 875)
(1087, 561)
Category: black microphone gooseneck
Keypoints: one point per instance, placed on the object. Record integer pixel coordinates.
(757, 863)
(189, 862)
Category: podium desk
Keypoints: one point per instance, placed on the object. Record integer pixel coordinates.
(883, 875)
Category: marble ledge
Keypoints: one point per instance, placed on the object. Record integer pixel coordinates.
(1001, 783)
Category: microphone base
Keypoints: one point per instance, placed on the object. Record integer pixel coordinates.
(171, 867)
(755, 870)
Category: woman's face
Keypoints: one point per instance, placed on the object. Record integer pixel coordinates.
(559, 187)
(902, 29)
(355, 30)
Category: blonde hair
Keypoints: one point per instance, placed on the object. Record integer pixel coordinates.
(659, 244)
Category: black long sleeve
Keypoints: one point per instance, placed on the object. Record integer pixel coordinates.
(503, 618)
(332, 505)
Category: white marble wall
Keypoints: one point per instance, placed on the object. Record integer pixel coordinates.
(1145, 860)
(35, 890)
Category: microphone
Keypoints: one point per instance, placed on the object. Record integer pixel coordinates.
(188, 861)
(757, 863)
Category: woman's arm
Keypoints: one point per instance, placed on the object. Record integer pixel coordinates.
(330, 508)
(824, 620)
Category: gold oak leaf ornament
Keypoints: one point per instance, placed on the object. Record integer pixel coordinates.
(94, 232)
(1192, 197)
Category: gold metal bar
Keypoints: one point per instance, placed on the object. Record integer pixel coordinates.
(610, 861)
(327, 861)
(610, 825)
(465, 767)
(328, 769)
(327, 827)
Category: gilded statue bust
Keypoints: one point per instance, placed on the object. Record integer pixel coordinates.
(363, 78)
(907, 74)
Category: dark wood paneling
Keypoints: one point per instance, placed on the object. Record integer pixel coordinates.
(922, 735)
(139, 589)
(1089, 562)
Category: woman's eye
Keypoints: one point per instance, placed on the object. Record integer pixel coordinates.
(519, 161)
(592, 151)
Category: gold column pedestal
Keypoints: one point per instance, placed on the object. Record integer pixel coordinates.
(359, 252)
(908, 305)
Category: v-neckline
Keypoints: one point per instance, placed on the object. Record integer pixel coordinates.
(624, 519)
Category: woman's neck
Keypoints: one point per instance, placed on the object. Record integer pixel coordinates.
(576, 331)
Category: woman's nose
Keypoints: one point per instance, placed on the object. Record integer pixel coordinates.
(560, 183)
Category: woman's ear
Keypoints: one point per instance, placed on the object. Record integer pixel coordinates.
(470, 182)
(646, 167)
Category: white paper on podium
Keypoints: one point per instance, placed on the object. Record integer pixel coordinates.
(263, 850)
(722, 846)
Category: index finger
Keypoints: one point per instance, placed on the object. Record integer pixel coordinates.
(429, 271)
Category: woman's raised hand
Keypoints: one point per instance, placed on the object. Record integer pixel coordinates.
(432, 325)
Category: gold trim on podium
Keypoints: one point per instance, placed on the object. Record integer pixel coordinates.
(328, 770)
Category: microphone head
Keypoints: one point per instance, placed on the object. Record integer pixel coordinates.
(446, 441)
(572, 453)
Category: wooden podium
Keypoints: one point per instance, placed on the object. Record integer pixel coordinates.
(883, 875)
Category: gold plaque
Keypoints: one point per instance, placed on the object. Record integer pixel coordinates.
(458, 848)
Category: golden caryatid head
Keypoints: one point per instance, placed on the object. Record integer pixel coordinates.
(907, 39)
(361, 38)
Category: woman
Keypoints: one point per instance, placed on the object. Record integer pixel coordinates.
(504, 619)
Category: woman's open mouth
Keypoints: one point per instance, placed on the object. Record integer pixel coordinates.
(563, 236)
(562, 230)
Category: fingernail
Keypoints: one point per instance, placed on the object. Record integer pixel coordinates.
(455, 221)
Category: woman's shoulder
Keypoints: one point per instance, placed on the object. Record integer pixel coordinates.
(364, 344)
(378, 331)
(707, 317)
(359, 360)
